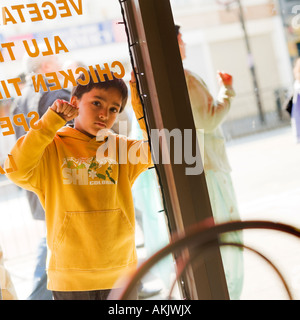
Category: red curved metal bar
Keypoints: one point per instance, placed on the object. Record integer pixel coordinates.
(200, 234)
(242, 246)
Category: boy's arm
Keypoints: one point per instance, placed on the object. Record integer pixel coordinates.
(138, 108)
(144, 145)
(29, 149)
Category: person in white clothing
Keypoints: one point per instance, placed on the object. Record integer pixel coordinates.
(208, 115)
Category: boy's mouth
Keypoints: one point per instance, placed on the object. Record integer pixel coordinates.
(100, 124)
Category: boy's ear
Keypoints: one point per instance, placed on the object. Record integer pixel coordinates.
(74, 101)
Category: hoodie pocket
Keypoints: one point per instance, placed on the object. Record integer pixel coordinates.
(95, 240)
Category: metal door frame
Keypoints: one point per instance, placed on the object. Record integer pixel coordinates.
(163, 90)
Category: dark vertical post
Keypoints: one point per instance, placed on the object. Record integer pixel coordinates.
(167, 105)
(251, 64)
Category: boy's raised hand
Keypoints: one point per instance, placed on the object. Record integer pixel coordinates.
(64, 109)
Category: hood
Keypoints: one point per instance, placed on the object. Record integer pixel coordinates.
(76, 134)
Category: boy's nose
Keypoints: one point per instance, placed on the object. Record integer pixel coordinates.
(103, 113)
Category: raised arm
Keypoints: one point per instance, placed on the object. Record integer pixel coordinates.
(29, 150)
(137, 106)
(142, 158)
(209, 113)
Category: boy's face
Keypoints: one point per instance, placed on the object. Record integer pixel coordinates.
(98, 109)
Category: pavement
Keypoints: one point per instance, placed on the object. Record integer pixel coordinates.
(266, 177)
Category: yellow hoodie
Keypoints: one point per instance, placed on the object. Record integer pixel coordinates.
(87, 200)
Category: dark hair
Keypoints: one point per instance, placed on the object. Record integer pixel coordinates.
(177, 29)
(116, 83)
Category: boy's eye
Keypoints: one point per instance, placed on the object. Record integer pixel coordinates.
(96, 103)
(114, 110)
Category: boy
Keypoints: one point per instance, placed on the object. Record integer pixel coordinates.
(86, 193)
